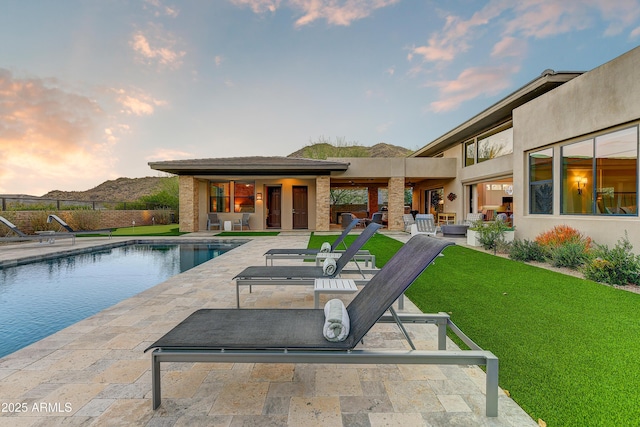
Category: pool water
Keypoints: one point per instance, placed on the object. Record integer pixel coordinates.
(39, 299)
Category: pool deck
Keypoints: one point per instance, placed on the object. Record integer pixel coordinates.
(95, 373)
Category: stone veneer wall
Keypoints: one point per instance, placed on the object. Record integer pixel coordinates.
(31, 221)
(323, 203)
(396, 203)
(189, 215)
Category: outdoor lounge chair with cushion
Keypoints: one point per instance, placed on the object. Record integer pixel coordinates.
(296, 335)
(303, 275)
(42, 237)
(307, 253)
(424, 226)
(66, 226)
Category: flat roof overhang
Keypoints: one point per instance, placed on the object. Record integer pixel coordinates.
(498, 113)
(250, 166)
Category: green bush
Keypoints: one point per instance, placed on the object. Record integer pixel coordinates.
(526, 250)
(617, 266)
(569, 254)
(491, 235)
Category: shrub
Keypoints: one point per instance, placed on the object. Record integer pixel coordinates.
(569, 254)
(492, 234)
(526, 250)
(617, 266)
(560, 235)
(84, 220)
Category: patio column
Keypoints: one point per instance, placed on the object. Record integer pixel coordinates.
(323, 202)
(396, 203)
(189, 215)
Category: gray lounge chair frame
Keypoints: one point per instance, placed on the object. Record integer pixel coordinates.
(295, 335)
(67, 227)
(48, 237)
(305, 275)
(311, 254)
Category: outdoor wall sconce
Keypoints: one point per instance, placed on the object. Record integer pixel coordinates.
(581, 184)
(258, 196)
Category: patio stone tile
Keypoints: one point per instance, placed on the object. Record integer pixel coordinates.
(365, 404)
(412, 396)
(453, 403)
(95, 407)
(122, 372)
(338, 382)
(241, 399)
(182, 384)
(396, 419)
(204, 421)
(76, 395)
(315, 411)
(272, 372)
(125, 412)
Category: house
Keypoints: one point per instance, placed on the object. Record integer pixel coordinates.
(562, 149)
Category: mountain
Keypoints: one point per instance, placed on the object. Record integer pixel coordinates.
(117, 190)
(131, 189)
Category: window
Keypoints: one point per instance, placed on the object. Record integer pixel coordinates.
(469, 153)
(243, 196)
(599, 175)
(496, 145)
(220, 197)
(541, 182)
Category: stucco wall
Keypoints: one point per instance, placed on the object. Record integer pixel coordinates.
(600, 100)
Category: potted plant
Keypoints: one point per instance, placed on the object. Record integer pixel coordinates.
(490, 234)
(473, 233)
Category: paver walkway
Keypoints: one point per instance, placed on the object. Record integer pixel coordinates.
(95, 373)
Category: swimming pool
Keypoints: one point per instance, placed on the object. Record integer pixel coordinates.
(39, 299)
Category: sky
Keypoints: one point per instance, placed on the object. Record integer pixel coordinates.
(93, 90)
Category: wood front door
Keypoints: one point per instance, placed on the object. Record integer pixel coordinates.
(300, 207)
(274, 208)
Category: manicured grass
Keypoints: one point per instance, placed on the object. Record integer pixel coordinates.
(149, 230)
(569, 348)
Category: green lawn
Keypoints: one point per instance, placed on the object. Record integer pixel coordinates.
(569, 348)
(149, 230)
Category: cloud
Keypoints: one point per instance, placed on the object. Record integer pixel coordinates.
(635, 33)
(137, 103)
(509, 46)
(218, 60)
(49, 134)
(335, 12)
(157, 48)
(471, 83)
(161, 154)
(160, 9)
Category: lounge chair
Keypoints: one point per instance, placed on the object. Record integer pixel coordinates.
(304, 253)
(66, 226)
(376, 217)
(408, 220)
(295, 335)
(305, 275)
(424, 226)
(42, 237)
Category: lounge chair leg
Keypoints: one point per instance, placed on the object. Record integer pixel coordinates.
(155, 381)
(492, 387)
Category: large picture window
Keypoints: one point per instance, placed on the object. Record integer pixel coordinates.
(243, 198)
(599, 175)
(541, 182)
(496, 145)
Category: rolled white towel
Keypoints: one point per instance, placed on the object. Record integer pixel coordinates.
(329, 267)
(336, 325)
(325, 248)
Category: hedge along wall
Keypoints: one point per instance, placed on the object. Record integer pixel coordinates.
(31, 221)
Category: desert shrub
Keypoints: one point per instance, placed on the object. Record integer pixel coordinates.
(492, 234)
(561, 235)
(84, 220)
(617, 266)
(526, 250)
(569, 254)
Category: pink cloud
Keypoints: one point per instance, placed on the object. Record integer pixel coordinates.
(157, 47)
(509, 46)
(470, 84)
(48, 135)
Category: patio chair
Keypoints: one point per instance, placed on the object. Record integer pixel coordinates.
(42, 236)
(347, 218)
(425, 216)
(408, 220)
(303, 275)
(213, 221)
(375, 218)
(295, 335)
(424, 226)
(311, 254)
(473, 218)
(66, 226)
(242, 222)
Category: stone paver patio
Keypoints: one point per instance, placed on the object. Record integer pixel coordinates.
(95, 372)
